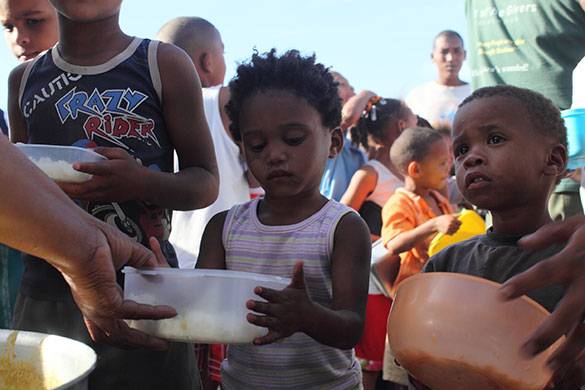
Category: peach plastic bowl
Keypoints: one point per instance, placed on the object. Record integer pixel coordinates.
(451, 332)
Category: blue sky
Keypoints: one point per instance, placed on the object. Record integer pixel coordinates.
(382, 46)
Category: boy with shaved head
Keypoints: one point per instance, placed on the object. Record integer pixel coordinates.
(202, 42)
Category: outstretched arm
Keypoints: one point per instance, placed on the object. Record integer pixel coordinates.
(291, 310)
(352, 110)
(566, 267)
(38, 218)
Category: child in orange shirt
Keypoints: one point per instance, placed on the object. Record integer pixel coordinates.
(417, 211)
(413, 215)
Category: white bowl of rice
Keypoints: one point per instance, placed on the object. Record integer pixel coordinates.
(57, 161)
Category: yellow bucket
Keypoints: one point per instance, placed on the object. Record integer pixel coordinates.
(471, 225)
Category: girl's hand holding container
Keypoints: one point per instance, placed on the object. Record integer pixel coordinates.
(285, 312)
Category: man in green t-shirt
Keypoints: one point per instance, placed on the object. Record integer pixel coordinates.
(533, 44)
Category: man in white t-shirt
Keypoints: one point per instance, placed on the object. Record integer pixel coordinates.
(437, 101)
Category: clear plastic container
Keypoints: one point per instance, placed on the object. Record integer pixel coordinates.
(451, 331)
(57, 161)
(211, 304)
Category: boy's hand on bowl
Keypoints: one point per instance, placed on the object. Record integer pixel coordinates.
(113, 180)
(285, 310)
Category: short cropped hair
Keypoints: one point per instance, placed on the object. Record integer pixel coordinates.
(544, 115)
(185, 31)
(291, 72)
(413, 144)
(448, 34)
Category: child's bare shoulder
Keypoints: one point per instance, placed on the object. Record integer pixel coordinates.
(173, 60)
(177, 71)
(15, 76)
(352, 229)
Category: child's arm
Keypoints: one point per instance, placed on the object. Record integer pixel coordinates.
(291, 310)
(212, 252)
(407, 240)
(196, 184)
(362, 183)
(18, 132)
(352, 110)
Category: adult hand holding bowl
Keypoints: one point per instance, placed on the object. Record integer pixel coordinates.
(453, 332)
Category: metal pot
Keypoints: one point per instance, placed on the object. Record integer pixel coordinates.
(64, 363)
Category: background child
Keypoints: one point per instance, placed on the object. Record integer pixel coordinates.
(30, 28)
(340, 169)
(287, 112)
(373, 184)
(413, 215)
(97, 88)
(510, 148)
(417, 211)
(370, 187)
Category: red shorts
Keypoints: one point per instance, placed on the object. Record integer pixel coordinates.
(370, 349)
(209, 358)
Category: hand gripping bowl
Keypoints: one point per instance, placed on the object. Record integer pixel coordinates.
(30, 360)
(57, 161)
(451, 332)
(211, 304)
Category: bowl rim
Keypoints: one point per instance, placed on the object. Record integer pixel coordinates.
(38, 338)
(572, 111)
(456, 275)
(22, 146)
(205, 272)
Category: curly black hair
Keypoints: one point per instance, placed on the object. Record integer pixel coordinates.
(292, 72)
(388, 113)
(544, 115)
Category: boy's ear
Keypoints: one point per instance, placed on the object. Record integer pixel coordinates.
(337, 140)
(401, 125)
(205, 63)
(557, 159)
(413, 169)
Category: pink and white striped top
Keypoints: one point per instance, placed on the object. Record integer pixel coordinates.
(297, 362)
